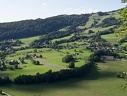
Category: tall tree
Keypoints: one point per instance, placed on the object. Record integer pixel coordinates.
(121, 31)
(124, 1)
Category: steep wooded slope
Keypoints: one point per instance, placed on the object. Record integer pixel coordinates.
(29, 28)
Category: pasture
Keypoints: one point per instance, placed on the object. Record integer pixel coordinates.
(101, 82)
(66, 37)
(27, 41)
(111, 38)
(52, 59)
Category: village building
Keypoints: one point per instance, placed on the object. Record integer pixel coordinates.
(107, 57)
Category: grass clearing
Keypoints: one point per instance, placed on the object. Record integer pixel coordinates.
(124, 44)
(27, 41)
(67, 37)
(110, 38)
(73, 43)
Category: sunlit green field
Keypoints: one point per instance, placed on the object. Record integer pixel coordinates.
(52, 59)
(124, 44)
(110, 38)
(101, 82)
(27, 41)
(67, 37)
(28, 69)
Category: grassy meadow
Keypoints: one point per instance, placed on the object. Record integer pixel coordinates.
(52, 59)
(101, 82)
(27, 41)
(110, 38)
(67, 37)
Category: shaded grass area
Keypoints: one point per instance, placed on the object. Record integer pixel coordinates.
(124, 44)
(66, 37)
(101, 82)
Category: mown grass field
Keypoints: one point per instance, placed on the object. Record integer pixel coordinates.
(28, 69)
(52, 59)
(101, 82)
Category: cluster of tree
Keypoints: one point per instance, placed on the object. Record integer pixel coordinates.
(55, 76)
(13, 62)
(122, 40)
(36, 62)
(108, 31)
(2, 66)
(3, 55)
(7, 44)
(90, 32)
(109, 22)
(45, 41)
(68, 58)
(32, 58)
(71, 65)
(14, 30)
(122, 75)
(65, 73)
(123, 1)
(121, 31)
(72, 39)
(102, 13)
(96, 56)
(5, 80)
(96, 38)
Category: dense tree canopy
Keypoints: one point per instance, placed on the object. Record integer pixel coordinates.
(124, 1)
(28, 28)
(121, 31)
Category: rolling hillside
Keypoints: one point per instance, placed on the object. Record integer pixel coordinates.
(100, 21)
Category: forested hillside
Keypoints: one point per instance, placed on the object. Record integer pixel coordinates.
(28, 28)
(52, 25)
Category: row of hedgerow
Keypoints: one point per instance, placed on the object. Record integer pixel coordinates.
(55, 76)
(62, 74)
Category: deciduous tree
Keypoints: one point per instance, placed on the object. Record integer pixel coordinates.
(121, 31)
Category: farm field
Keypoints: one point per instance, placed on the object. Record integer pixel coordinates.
(67, 37)
(27, 69)
(101, 82)
(27, 41)
(52, 59)
(64, 55)
(124, 44)
(110, 38)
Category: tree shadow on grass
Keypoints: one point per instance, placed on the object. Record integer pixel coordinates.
(41, 64)
(95, 73)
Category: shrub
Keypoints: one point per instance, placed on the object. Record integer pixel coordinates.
(71, 65)
(67, 58)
